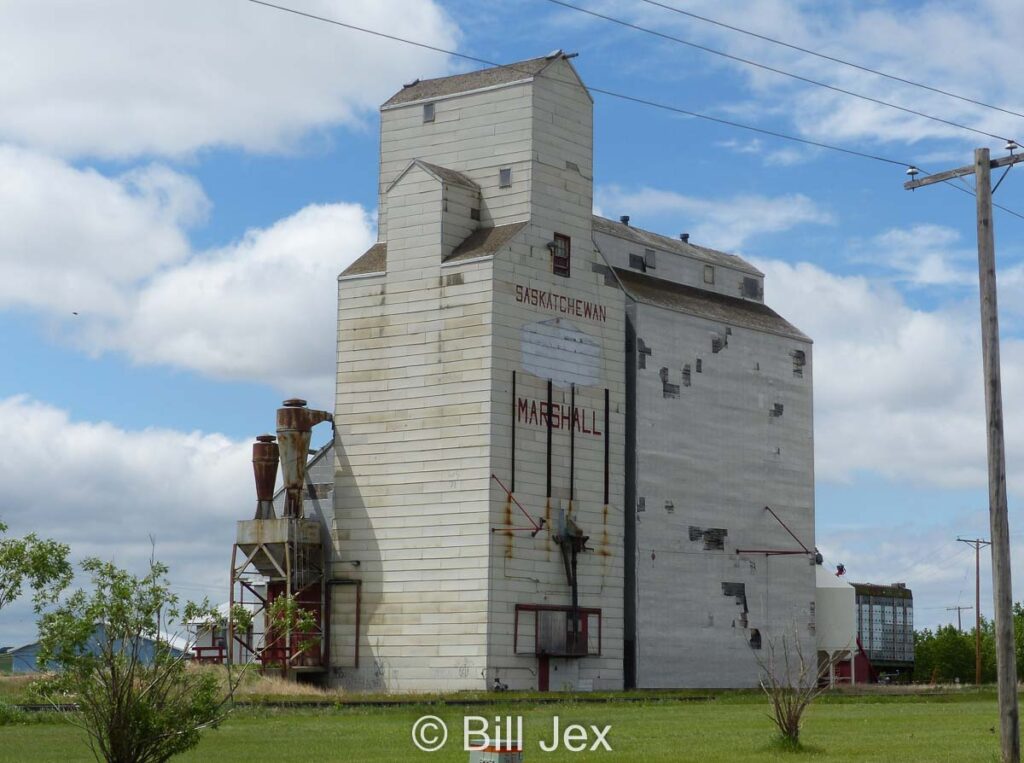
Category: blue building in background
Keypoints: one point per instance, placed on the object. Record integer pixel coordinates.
(24, 659)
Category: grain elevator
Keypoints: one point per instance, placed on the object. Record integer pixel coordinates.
(568, 453)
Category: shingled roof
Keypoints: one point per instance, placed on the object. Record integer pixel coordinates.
(657, 241)
(706, 304)
(445, 175)
(373, 260)
(461, 83)
(485, 241)
(481, 242)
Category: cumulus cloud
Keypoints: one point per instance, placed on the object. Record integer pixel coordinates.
(723, 223)
(105, 490)
(923, 255)
(897, 389)
(935, 53)
(75, 240)
(115, 250)
(117, 78)
(263, 308)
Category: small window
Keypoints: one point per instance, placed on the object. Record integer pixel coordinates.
(637, 263)
(709, 274)
(474, 214)
(799, 361)
(505, 177)
(649, 259)
(428, 112)
(561, 251)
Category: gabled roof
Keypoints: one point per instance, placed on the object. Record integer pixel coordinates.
(657, 241)
(443, 174)
(705, 304)
(463, 83)
(481, 242)
(484, 241)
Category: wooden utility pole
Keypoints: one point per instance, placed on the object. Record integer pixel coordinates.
(1006, 662)
(977, 543)
(959, 624)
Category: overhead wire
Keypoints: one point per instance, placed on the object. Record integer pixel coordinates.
(776, 70)
(617, 95)
(602, 91)
(686, 112)
(834, 59)
(945, 560)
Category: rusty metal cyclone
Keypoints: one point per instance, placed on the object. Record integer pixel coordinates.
(265, 458)
(295, 424)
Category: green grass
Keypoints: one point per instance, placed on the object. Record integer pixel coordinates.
(732, 727)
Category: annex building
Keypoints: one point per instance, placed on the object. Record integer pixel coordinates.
(568, 453)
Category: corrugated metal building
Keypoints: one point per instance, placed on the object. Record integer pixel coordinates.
(24, 659)
(507, 361)
(885, 626)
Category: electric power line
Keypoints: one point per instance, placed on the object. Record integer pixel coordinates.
(775, 70)
(614, 94)
(834, 59)
(610, 93)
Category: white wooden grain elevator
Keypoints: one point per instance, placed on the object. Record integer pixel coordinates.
(569, 453)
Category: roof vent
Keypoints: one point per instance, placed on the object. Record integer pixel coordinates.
(684, 237)
(412, 84)
(624, 219)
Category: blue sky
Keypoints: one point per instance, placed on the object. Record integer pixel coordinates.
(189, 177)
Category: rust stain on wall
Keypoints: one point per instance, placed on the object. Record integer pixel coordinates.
(508, 523)
(547, 524)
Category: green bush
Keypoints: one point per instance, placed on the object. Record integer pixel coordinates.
(9, 714)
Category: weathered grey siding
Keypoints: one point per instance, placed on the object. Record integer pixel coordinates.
(713, 450)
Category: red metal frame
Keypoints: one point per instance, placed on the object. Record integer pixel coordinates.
(584, 612)
(534, 526)
(209, 654)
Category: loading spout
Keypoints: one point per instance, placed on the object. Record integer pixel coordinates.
(572, 542)
(295, 424)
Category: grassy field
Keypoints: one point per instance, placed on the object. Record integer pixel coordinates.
(875, 727)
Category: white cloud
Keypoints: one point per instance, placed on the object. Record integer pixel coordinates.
(897, 389)
(923, 255)
(118, 78)
(723, 223)
(263, 308)
(116, 251)
(923, 554)
(105, 491)
(922, 42)
(75, 240)
(769, 157)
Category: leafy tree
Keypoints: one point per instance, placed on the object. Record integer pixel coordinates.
(947, 654)
(139, 700)
(42, 563)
